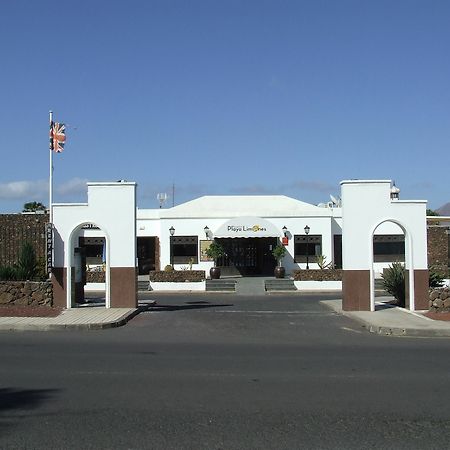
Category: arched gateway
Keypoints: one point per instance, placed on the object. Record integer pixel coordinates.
(111, 208)
(365, 206)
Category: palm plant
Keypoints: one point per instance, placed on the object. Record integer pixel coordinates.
(394, 282)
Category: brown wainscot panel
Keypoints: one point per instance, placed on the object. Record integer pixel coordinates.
(356, 290)
(123, 287)
(59, 282)
(421, 296)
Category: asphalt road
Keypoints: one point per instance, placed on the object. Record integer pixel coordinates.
(225, 372)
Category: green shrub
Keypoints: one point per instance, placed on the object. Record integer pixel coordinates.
(394, 282)
(435, 279)
(168, 268)
(7, 273)
(215, 251)
(27, 266)
(322, 262)
(278, 253)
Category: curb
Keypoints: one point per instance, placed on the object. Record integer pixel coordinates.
(75, 326)
(390, 331)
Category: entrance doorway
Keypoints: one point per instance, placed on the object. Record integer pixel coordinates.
(147, 254)
(247, 256)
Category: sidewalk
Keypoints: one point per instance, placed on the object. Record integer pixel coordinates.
(93, 318)
(393, 321)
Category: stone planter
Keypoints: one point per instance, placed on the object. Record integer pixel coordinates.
(177, 276)
(318, 275)
(439, 300)
(214, 273)
(279, 272)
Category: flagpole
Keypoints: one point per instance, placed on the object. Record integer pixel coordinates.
(50, 183)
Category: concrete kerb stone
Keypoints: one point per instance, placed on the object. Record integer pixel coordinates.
(78, 326)
(409, 326)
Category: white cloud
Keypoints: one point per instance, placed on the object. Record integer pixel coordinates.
(71, 187)
(23, 190)
(37, 190)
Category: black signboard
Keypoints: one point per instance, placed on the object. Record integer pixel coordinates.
(49, 244)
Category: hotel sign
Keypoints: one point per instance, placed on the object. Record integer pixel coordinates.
(49, 246)
(247, 227)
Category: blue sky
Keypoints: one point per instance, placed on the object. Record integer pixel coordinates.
(225, 97)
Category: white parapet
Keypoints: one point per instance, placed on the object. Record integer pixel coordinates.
(174, 286)
(318, 285)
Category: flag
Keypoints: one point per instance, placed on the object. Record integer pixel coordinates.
(57, 136)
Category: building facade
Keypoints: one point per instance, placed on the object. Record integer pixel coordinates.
(115, 241)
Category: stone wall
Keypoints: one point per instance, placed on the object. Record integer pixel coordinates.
(317, 275)
(95, 277)
(26, 293)
(437, 239)
(440, 300)
(15, 230)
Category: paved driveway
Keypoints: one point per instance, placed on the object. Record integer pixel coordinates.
(225, 372)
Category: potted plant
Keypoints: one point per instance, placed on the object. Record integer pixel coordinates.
(215, 251)
(278, 253)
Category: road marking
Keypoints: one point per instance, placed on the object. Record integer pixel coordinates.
(275, 312)
(351, 329)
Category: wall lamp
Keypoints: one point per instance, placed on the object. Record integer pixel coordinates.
(172, 231)
(206, 231)
(285, 230)
(307, 246)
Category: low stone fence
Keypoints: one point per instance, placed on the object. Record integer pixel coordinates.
(95, 277)
(177, 276)
(440, 300)
(26, 293)
(317, 275)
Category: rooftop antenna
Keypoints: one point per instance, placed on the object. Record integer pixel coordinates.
(173, 195)
(336, 201)
(162, 198)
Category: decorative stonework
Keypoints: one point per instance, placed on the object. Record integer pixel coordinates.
(318, 275)
(177, 276)
(15, 229)
(438, 251)
(26, 293)
(440, 300)
(95, 277)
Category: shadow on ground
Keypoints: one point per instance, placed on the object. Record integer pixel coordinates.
(12, 399)
(183, 306)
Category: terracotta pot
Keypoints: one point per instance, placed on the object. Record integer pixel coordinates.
(214, 273)
(280, 272)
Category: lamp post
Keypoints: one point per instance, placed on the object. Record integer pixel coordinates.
(307, 246)
(172, 232)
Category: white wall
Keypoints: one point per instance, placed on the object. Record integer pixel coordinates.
(367, 205)
(195, 227)
(112, 207)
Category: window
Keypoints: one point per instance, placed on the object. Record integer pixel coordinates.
(310, 246)
(94, 249)
(337, 251)
(184, 248)
(389, 248)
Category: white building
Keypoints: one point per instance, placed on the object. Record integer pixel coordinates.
(127, 241)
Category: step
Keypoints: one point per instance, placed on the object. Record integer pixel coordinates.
(142, 285)
(221, 285)
(280, 285)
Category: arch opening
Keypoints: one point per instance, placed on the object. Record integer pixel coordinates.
(88, 266)
(390, 245)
